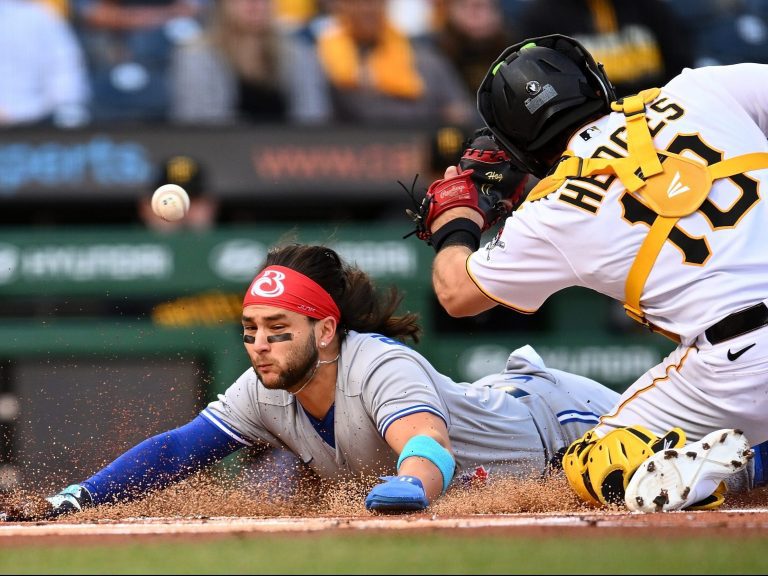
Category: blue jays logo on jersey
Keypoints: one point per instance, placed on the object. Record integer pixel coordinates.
(514, 390)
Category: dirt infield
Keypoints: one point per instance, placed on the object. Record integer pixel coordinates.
(730, 523)
(201, 509)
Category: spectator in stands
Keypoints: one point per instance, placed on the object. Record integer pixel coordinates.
(473, 33)
(513, 8)
(128, 44)
(43, 79)
(641, 44)
(372, 73)
(726, 31)
(188, 173)
(294, 14)
(233, 72)
(417, 19)
(61, 7)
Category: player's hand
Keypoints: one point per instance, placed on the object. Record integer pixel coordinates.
(73, 498)
(19, 506)
(397, 494)
(28, 508)
(484, 187)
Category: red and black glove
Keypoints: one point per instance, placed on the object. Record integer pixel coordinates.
(499, 183)
(487, 183)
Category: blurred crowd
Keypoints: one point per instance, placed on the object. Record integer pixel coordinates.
(71, 63)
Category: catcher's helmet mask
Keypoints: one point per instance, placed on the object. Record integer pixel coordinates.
(537, 92)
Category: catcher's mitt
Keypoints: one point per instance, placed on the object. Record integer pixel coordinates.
(487, 183)
(599, 469)
(499, 183)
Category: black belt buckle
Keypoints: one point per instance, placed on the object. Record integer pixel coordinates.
(738, 323)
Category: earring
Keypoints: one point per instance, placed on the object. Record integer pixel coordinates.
(323, 344)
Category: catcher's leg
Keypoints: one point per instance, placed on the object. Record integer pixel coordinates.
(599, 469)
(676, 479)
(699, 390)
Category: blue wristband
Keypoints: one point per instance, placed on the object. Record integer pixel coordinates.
(429, 448)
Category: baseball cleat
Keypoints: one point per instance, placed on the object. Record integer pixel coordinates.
(676, 479)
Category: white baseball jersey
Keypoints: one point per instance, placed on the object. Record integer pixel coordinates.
(512, 422)
(588, 232)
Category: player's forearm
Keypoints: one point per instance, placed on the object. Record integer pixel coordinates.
(425, 467)
(427, 472)
(159, 461)
(424, 448)
(453, 287)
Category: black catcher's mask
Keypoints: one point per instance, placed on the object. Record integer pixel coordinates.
(537, 92)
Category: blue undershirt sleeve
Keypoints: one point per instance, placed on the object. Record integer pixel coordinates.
(160, 461)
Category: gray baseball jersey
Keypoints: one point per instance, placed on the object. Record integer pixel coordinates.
(511, 422)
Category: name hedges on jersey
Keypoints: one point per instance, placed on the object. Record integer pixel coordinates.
(587, 193)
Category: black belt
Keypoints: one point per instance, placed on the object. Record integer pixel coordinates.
(738, 323)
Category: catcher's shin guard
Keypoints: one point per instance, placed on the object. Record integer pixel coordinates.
(599, 469)
(575, 463)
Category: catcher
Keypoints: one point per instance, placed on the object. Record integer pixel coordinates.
(332, 381)
(653, 200)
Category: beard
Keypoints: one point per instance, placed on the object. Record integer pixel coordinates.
(299, 365)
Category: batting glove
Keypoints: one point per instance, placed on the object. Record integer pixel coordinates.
(397, 494)
(73, 498)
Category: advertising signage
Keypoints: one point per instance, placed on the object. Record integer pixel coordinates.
(266, 161)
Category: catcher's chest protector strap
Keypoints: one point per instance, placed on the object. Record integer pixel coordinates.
(671, 185)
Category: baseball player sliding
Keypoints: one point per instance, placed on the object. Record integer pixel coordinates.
(655, 201)
(332, 381)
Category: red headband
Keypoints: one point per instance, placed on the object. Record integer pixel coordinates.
(285, 288)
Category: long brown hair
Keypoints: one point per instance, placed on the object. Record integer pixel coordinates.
(252, 53)
(362, 307)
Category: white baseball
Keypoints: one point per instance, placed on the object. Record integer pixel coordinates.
(170, 202)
